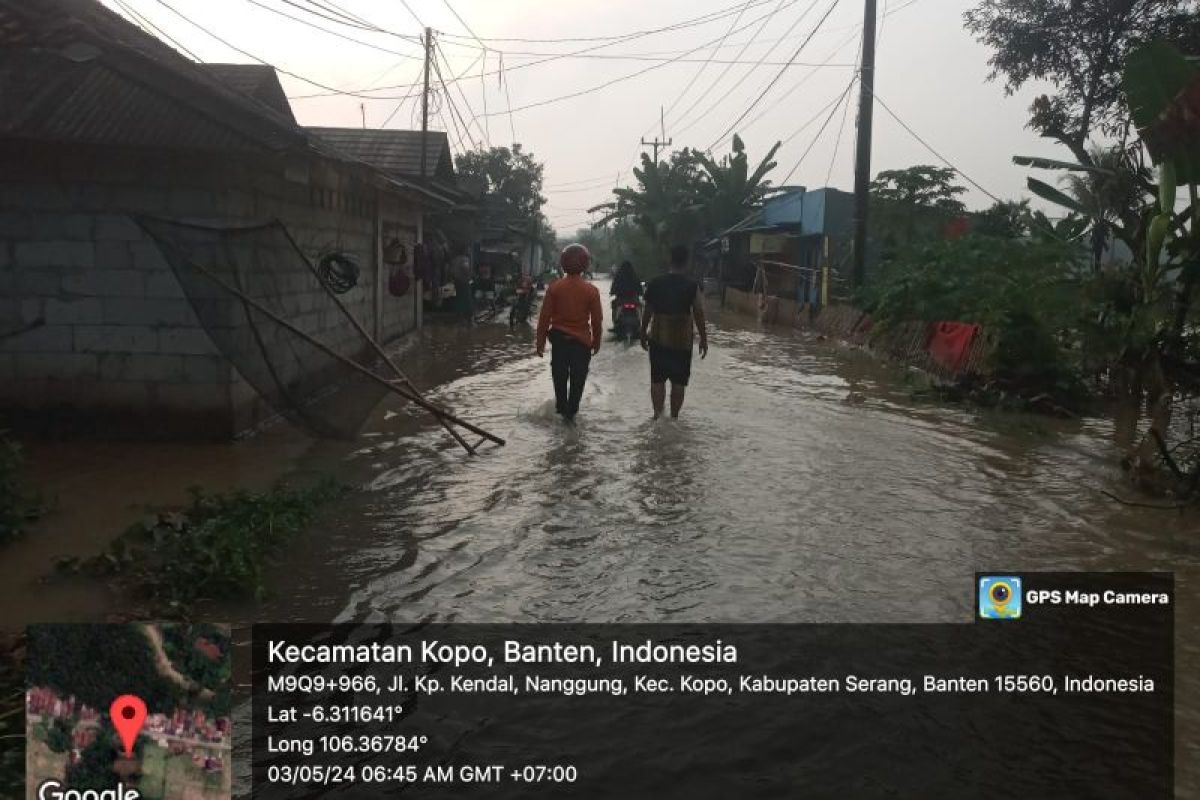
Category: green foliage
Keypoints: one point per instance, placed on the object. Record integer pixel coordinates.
(1005, 218)
(217, 547)
(58, 736)
(730, 189)
(510, 179)
(920, 187)
(98, 663)
(1021, 291)
(17, 508)
(1078, 47)
(180, 643)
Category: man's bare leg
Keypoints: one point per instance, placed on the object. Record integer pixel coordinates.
(677, 393)
(658, 396)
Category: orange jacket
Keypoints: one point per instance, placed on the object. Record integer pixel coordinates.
(571, 305)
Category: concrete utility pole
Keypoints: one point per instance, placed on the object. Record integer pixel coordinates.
(862, 156)
(425, 99)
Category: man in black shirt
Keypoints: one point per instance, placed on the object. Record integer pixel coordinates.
(673, 306)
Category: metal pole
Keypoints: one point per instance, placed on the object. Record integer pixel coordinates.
(862, 156)
(425, 99)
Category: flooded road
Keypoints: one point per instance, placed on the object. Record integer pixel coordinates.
(801, 484)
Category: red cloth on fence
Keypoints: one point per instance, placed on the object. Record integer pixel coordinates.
(950, 344)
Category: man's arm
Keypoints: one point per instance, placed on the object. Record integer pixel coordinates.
(597, 321)
(698, 318)
(647, 316)
(543, 326)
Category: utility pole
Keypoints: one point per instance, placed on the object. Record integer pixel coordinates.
(862, 155)
(425, 100)
(656, 143)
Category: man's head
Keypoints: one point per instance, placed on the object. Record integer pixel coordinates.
(679, 258)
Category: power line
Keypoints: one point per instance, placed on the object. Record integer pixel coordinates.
(702, 69)
(487, 131)
(703, 19)
(148, 26)
(341, 36)
(778, 75)
(512, 127)
(398, 107)
(622, 78)
(450, 101)
(725, 72)
(250, 55)
(845, 94)
(837, 143)
(795, 86)
(929, 147)
(461, 93)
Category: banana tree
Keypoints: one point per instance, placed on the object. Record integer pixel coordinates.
(730, 188)
(665, 203)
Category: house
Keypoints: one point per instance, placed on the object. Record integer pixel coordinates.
(105, 126)
(798, 244)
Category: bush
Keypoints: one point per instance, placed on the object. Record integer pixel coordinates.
(1024, 293)
(216, 547)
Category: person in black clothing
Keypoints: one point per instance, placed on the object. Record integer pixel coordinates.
(674, 305)
(626, 283)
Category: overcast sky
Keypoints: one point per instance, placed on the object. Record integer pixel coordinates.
(930, 72)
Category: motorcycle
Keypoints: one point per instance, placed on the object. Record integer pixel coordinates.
(522, 307)
(627, 323)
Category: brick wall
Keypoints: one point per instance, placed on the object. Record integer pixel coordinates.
(119, 344)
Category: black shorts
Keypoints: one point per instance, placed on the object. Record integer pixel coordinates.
(669, 364)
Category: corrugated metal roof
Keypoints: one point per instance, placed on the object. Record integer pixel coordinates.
(259, 81)
(71, 70)
(396, 152)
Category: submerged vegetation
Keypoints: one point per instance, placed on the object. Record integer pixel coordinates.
(217, 547)
(17, 507)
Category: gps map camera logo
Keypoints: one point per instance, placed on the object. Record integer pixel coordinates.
(1000, 597)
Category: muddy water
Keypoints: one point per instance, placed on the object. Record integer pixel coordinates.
(801, 484)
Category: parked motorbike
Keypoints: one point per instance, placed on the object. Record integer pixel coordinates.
(521, 310)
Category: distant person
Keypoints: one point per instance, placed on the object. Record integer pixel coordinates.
(571, 318)
(674, 304)
(625, 283)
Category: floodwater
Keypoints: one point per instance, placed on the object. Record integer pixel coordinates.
(802, 483)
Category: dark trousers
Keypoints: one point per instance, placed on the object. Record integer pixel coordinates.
(569, 362)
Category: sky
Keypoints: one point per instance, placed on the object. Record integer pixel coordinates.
(697, 82)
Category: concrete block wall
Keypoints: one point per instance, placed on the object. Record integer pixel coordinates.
(118, 342)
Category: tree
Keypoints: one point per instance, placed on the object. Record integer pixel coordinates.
(510, 181)
(922, 186)
(1079, 46)
(1007, 219)
(665, 204)
(730, 189)
(1109, 198)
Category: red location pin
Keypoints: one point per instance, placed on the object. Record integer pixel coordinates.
(128, 714)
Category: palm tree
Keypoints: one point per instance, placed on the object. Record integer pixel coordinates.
(731, 190)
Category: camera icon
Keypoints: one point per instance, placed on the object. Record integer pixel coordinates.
(1000, 597)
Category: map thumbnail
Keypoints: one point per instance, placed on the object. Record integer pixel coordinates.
(77, 737)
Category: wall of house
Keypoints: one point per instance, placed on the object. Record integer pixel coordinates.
(117, 347)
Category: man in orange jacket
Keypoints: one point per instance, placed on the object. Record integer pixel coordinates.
(572, 319)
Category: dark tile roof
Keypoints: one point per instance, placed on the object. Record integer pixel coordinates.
(395, 152)
(260, 81)
(71, 70)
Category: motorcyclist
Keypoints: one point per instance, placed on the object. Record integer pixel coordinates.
(626, 283)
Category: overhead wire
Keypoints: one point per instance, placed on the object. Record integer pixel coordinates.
(450, 101)
(250, 55)
(837, 142)
(732, 126)
(841, 98)
(512, 126)
(622, 78)
(721, 77)
(337, 34)
(437, 52)
(396, 110)
(145, 24)
(803, 80)
(931, 149)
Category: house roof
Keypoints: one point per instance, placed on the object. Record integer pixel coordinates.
(260, 81)
(393, 151)
(71, 70)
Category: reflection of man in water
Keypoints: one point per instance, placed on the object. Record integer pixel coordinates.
(674, 305)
